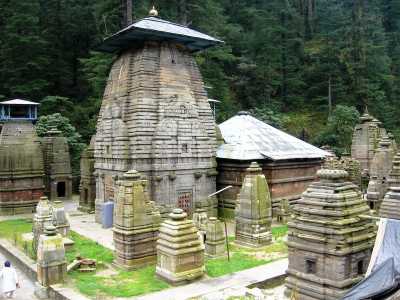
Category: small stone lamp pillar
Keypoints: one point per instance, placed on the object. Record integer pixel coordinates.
(215, 238)
(60, 218)
(180, 250)
(41, 219)
(253, 213)
(51, 263)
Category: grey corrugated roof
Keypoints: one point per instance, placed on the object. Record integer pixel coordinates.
(152, 28)
(19, 102)
(247, 138)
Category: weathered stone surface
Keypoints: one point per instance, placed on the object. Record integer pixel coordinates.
(380, 168)
(390, 207)
(180, 250)
(51, 262)
(348, 164)
(57, 166)
(87, 186)
(136, 223)
(41, 220)
(286, 180)
(215, 238)
(21, 168)
(374, 193)
(283, 213)
(155, 118)
(329, 244)
(366, 137)
(253, 215)
(60, 218)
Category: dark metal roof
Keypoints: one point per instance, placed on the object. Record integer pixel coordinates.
(247, 138)
(156, 29)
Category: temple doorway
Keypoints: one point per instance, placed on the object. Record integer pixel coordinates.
(61, 189)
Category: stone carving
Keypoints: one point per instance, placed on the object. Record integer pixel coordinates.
(180, 250)
(136, 223)
(51, 262)
(57, 166)
(390, 205)
(366, 137)
(87, 186)
(215, 238)
(253, 215)
(380, 168)
(155, 118)
(41, 219)
(329, 244)
(21, 168)
(60, 218)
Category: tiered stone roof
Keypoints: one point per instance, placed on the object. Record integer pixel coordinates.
(329, 243)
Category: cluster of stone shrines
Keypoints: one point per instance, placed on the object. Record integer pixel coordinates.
(177, 245)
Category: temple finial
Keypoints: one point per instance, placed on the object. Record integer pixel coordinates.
(153, 12)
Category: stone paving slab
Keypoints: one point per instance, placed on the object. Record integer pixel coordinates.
(85, 225)
(208, 286)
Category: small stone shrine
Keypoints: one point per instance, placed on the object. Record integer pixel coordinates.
(390, 207)
(51, 262)
(87, 186)
(366, 137)
(136, 223)
(215, 238)
(57, 166)
(41, 219)
(329, 244)
(374, 193)
(60, 218)
(283, 213)
(200, 219)
(180, 250)
(253, 215)
(155, 116)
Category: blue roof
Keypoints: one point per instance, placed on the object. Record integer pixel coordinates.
(156, 29)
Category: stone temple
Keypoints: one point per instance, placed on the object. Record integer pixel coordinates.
(329, 243)
(155, 117)
(29, 166)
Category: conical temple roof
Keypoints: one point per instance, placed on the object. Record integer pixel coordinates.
(156, 29)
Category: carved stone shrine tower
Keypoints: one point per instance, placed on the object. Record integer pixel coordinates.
(329, 243)
(155, 116)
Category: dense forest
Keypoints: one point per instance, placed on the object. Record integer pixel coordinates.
(306, 66)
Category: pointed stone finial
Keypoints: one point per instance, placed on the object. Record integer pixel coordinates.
(153, 12)
(254, 167)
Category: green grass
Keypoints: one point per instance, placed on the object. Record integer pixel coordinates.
(13, 230)
(123, 284)
(279, 232)
(87, 248)
(239, 261)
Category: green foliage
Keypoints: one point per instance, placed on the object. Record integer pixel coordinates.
(12, 230)
(62, 124)
(280, 58)
(279, 231)
(339, 130)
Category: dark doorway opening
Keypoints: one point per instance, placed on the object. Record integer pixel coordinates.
(61, 189)
(86, 196)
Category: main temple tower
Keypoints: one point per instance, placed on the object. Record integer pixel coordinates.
(155, 117)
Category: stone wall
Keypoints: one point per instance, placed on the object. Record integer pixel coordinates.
(286, 180)
(155, 118)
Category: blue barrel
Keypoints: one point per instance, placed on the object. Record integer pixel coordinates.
(107, 214)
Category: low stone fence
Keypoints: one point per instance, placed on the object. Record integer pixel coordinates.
(28, 266)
